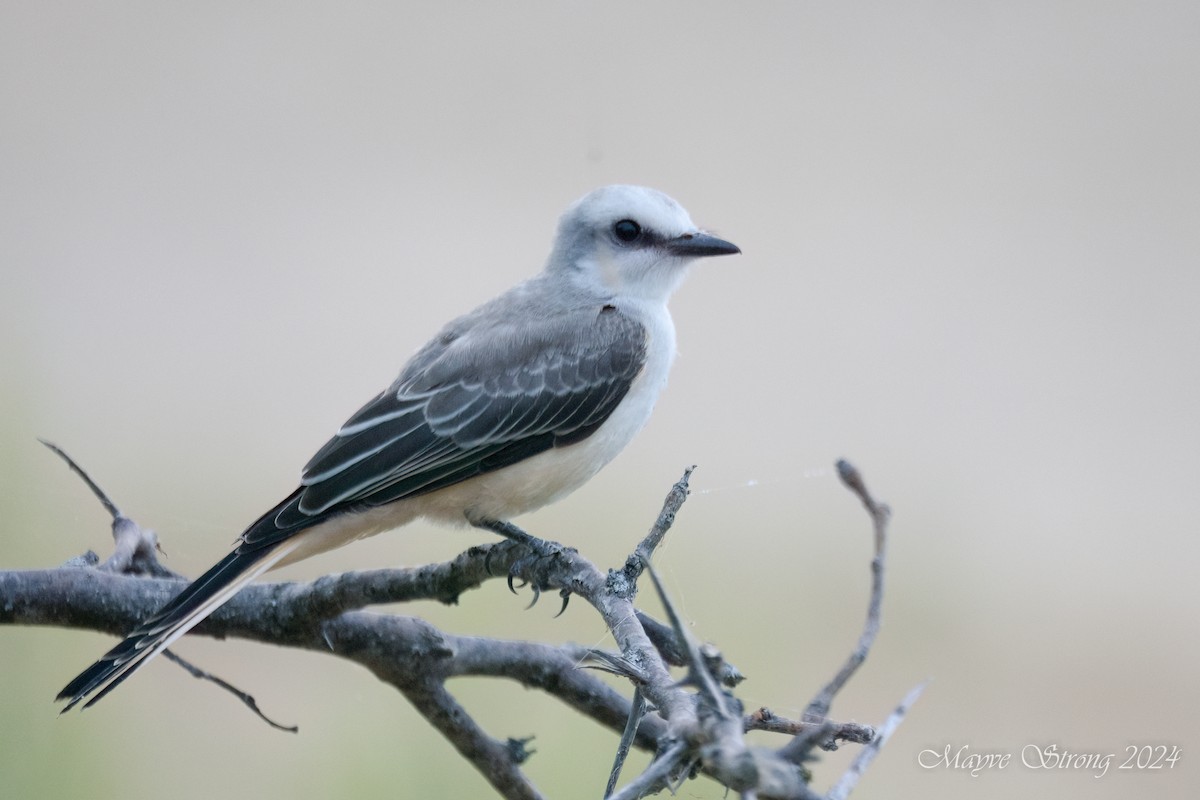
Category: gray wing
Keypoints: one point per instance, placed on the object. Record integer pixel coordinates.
(473, 400)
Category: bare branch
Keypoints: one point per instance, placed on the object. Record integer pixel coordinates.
(766, 720)
(496, 761)
(334, 594)
(656, 776)
(627, 738)
(674, 653)
(880, 514)
(692, 731)
(623, 582)
(108, 504)
(136, 547)
(666, 518)
(556, 671)
(865, 756)
(247, 699)
(698, 674)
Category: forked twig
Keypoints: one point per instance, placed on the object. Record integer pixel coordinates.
(136, 547)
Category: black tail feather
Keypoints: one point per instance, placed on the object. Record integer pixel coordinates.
(123, 660)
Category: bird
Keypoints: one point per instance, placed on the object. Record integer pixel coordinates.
(507, 408)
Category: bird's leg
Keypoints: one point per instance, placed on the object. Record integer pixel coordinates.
(539, 549)
(509, 531)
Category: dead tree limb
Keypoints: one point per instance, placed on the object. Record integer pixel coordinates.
(694, 724)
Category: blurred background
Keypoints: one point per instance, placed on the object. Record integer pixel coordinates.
(970, 238)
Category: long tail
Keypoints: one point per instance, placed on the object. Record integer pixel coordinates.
(202, 597)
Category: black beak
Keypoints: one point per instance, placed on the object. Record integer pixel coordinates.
(695, 245)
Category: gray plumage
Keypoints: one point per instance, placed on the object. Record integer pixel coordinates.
(508, 408)
(462, 407)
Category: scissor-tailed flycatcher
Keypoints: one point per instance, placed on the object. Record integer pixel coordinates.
(508, 408)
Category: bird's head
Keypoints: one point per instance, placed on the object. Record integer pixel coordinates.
(630, 241)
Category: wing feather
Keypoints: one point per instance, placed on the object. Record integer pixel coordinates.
(346, 450)
(469, 404)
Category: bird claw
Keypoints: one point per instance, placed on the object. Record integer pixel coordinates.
(537, 593)
(531, 571)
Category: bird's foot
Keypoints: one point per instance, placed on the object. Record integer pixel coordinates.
(535, 569)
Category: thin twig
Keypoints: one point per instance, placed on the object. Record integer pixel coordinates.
(196, 672)
(880, 514)
(623, 582)
(766, 720)
(78, 470)
(656, 776)
(859, 765)
(136, 547)
(698, 674)
(666, 518)
(636, 710)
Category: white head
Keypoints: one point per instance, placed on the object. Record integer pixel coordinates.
(630, 240)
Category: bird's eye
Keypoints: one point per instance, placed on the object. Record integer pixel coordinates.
(627, 230)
